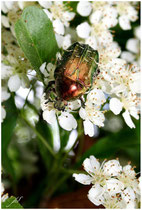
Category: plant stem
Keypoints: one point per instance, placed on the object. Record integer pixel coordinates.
(39, 136)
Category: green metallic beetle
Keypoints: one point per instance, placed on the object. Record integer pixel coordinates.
(74, 75)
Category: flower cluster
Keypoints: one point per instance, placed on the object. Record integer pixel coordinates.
(60, 14)
(113, 186)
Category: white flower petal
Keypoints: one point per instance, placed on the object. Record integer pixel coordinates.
(133, 45)
(68, 15)
(129, 57)
(4, 95)
(82, 113)
(45, 4)
(137, 32)
(67, 121)
(112, 168)
(128, 119)
(42, 67)
(114, 186)
(73, 105)
(3, 113)
(91, 165)
(49, 14)
(83, 179)
(95, 17)
(92, 42)
(128, 194)
(124, 22)
(95, 195)
(49, 116)
(83, 30)
(14, 83)
(5, 21)
(59, 40)
(84, 8)
(66, 42)
(96, 96)
(58, 27)
(115, 105)
(88, 128)
(72, 138)
(129, 171)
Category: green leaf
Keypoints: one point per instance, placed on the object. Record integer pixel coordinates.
(11, 203)
(35, 35)
(7, 131)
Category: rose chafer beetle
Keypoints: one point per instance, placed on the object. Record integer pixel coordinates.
(74, 75)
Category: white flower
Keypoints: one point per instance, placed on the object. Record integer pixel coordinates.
(14, 83)
(113, 187)
(96, 96)
(99, 174)
(83, 30)
(66, 120)
(59, 14)
(84, 8)
(127, 13)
